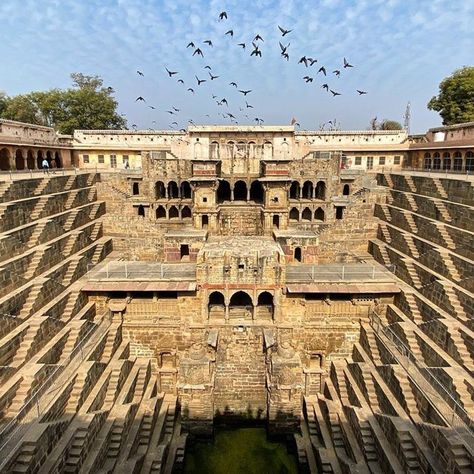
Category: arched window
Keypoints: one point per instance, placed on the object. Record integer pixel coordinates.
(252, 147)
(198, 150)
(186, 213)
(308, 190)
(469, 161)
(256, 191)
(297, 254)
(19, 160)
(306, 214)
(214, 150)
(319, 214)
(223, 191)
(457, 165)
(267, 150)
(446, 161)
(160, 190)
(436, 161)
(346, 190)
(265, 305)
(173, 212)
(294, 214)
(30, 160)
(141, 211)
(295, 190)
(230, 149)
(185, 190)
(427, 162)
(39, 159)
(173, 191)
(49, 157)
(241, 299)
(4, 159)
(321, 190)
(160, 212)
(216, 304)
(58, 160)
(135, 189)
(284, 150)
(276, 221)
(240, 191)
(216, 298)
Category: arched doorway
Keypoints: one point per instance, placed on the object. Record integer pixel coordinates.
(57, 158)
(30, 160)
(223, 191)
(241, 306)
(319, 214)
(160, 190)
(5, 159)
(457, 165)
(256, 191)
(294, 214)
(186, 213)
(240, 191)
(436, 161)
(297, 254)
(19, 160)
(49, 157)
(321, 190)
(427, 161)
(295, 190)
(160, 212)
(216, 305)
(173, 191)
(265, 306)
(308, 190)
(306, 214)
(346, 190)
(173, 212)
(185, 190)
(39, 159)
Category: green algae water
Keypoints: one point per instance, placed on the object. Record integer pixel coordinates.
(239, 451)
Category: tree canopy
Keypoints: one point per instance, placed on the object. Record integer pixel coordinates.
(86, 105)
(385, 124)
(455, 100)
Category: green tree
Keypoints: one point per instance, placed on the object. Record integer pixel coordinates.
(390, 125)
(455, 101)
(3, 102)
(87, 105)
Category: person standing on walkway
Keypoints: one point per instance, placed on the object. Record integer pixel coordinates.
(45, 165)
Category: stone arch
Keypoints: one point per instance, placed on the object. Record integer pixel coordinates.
(295, 190)
(252, 147)
(160, 190)
(306, 214)
(457, 161)
(186, 212)
(240, 191)
(214, 150)
(436, 161)
(446, 160)
(173, 212)
(198, 150)
(294, 214)
(30, 160)
(346, 190)
(319, 214)
(308, 190)
(173, 190)
(216, 304)
(5, 163)
(49, 157)
(223, 191)
(267, 150)
(160, 212)
(39, 159)
(185, 190)
(256, 191)
(58, 159)
(265, 306)
(427, 161)
(320, 190)
(240, 299)
(230, 149)
(285, 150)
(19, 160)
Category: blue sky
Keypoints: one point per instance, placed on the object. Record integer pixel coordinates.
(401, 49)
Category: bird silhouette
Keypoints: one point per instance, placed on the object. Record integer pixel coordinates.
(303, 60)
(209, 42)
(258, 38)
(337, 72)
(248, 105)
(325, 86)
(213, 77)
(346, 64)
(334, 93)
(191, 45)
(198, 51)
(242, 45)
(199, 81)
(233, 84)
(283, 31)
(190, 89)
(230, 32)
(361, 92)
(140, 98)
(256, 51)
(322, 69)
(284, 48)
(175, 109)
(171, 73)
(308, 79)
(230, 116)
(180, 81)
(140, 73)
(171, 112)
(245, 92)
(151, 107)
(207, 67)
(312, 61)
(224, 101)
(286, 56)
(223, 15)
(174, 123)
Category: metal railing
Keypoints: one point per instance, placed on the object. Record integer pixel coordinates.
(18, 425)
(433, 388)
(429, 171)
(344, 273)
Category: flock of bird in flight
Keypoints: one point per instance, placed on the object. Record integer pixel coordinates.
(256, 51)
